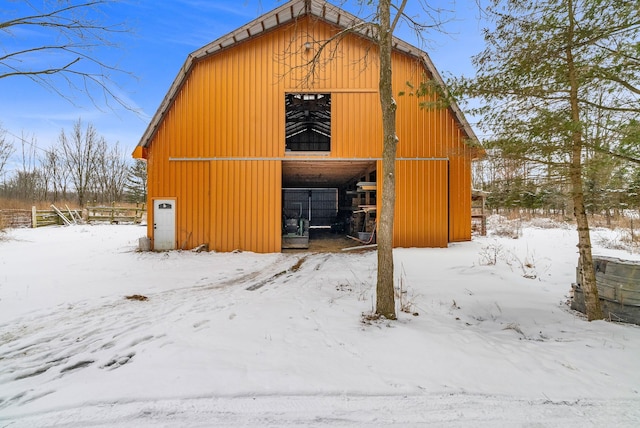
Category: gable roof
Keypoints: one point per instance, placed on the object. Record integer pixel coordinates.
(288, 12)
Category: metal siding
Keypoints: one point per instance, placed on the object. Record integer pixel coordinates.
(435, 133)
(460, 207)
(244, 208)
(232, 105)
(356, 125)
(421, 204)
(193, 205)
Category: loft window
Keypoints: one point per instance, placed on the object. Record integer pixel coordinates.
(308, 122)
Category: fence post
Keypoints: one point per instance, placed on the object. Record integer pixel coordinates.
(34, 217)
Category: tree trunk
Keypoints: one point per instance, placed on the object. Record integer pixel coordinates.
(385, 299)
(591, 298)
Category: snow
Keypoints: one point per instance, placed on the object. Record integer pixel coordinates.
(244, 339)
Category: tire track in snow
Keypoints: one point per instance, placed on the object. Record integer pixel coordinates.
(103, 333)
(107, 334)
(327, 271)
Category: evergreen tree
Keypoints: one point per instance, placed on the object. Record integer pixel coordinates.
(136, 186)
(549, 71)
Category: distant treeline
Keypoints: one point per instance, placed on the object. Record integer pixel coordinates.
(81, 166)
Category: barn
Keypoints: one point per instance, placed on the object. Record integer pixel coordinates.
(274, 131)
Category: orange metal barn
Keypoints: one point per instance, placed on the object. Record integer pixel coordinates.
(246, 129)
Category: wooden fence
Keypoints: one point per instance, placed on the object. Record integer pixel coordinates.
(65, 216)
(115, 214)
(53, 217)
(15, 218)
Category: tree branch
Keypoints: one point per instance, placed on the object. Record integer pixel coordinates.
(72, 60)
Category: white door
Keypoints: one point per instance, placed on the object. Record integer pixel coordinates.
(164, 224)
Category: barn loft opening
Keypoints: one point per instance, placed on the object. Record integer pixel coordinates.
(327, 199)
(308, 122)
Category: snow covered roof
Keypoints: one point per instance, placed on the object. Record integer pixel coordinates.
(291, 11)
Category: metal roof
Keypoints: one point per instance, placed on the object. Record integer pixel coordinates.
(288, 12)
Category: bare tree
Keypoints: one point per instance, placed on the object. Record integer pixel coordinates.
(6, 150)
(112, 173)
(54, 168)
(81, 150)
(70, 33)
(26, 183)
(379, 27)
(385, 299)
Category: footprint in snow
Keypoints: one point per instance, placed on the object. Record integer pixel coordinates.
(118, 361)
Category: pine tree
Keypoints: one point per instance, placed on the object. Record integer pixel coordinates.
(136, 186)
(549, 71)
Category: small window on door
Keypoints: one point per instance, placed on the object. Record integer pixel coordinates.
(308, 122)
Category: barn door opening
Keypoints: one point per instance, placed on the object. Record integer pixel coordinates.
(164, 224)
(323, 202)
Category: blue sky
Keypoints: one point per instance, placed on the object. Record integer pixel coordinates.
(163, 33)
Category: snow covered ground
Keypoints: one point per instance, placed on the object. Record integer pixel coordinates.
(243, 339)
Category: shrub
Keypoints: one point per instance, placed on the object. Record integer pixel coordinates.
(501, 226)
